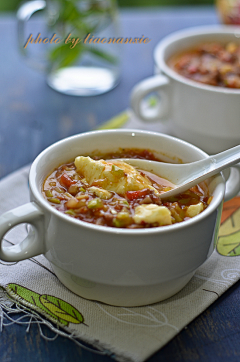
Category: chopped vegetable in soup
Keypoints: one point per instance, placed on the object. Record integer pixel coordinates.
(210, 63)
(113, 193)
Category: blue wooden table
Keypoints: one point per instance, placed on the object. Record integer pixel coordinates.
(32, 116)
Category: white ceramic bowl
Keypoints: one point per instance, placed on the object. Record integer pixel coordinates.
(204, 115)
(116, 266)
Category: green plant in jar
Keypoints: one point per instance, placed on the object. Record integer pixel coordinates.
(83, 24)
(79, 48)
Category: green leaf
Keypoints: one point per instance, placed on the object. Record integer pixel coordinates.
(61, 309)
(63, 55)
(80, 18)
(104, 55)
(25, 293)
(31, 297)
(229, 245)
(70, 57)
(68, 12)
(56, 52)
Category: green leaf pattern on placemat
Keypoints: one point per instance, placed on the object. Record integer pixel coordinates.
(61, 309)
(55, 307)
(228, 243)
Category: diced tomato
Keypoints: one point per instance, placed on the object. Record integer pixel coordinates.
(205, 199)
(133, 195)
(66, 181)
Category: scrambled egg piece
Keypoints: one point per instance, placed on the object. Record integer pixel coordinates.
(152, 213)
(115, 176)
(194, 210)
(103, 194)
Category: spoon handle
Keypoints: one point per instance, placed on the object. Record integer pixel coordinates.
(217, 163)
(200, 170)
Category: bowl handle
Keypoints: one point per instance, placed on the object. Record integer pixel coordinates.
(33, 244)
(233, 183)
(24, 13)
(158, 83)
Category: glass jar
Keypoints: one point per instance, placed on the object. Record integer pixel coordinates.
(81, 53)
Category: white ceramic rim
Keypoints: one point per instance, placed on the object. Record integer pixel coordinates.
(163, 229)
(159, 52)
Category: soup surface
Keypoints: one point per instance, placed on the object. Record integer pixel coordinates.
(210, 63)
(113, 193)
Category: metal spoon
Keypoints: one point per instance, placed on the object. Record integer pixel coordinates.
(185, 176)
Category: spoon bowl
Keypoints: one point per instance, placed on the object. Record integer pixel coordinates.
(185, 176)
